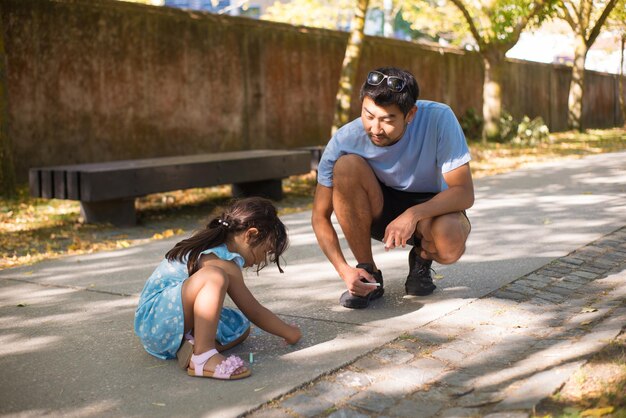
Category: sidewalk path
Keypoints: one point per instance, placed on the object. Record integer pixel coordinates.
(67, 345)
(497, 356)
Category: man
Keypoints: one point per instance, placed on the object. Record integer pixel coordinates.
(399, 174)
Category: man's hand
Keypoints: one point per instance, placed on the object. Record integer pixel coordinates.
(352, 277)
(400, 230)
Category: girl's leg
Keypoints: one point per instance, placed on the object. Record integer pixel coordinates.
(231, 344)
(203, 297)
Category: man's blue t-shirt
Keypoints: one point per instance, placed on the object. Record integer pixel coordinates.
(433, 144)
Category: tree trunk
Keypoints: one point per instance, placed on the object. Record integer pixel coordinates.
(621, 91)
(7, 170)
(576, 88)
(493, 62)
(349, 67)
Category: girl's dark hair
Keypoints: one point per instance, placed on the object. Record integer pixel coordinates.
(241, 214)
(384, 96)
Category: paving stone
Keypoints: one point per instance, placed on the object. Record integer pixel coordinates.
(448, 355)
(479, 399)
(306, 405)
(572, 260)
(411, 408)
(353, 379)
(458, 381)
(403, 380)
(457, 413)
(567, 285)
(574, 279)
(556, 290)
(371, 401)
(605, 261)
(390, 355)
(428, 336)
(509, 414)
(347, 413)
(367, 363)
(509, 295)
(585, 274)
(539, 278)
(535, 284)
(429, 365)
(540, 302)
(592, 269)
(550, 297)
(331, 391)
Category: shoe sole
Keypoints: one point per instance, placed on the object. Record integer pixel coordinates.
(361, 302)
(424, 292)
(184, 354)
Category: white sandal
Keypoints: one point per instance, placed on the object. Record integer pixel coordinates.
(223, 371)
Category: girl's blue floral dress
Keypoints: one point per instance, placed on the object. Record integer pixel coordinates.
(159, 321)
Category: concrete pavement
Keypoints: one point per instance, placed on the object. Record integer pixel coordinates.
(68, 347)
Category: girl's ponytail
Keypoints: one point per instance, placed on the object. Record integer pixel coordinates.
(188, 250)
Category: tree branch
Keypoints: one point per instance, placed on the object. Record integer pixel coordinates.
(567, 15)
(521, 24)
(470, 22)
(600, 22)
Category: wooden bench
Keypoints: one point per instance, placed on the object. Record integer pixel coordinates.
(107, 190)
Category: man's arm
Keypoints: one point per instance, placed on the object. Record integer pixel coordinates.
(323, 227)
(457, 197)
(329, 242)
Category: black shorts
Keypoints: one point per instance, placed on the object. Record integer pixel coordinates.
(395, 202)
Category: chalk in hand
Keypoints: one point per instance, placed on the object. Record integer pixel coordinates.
(372, 284)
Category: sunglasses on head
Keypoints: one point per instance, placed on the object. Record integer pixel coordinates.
(394, 83)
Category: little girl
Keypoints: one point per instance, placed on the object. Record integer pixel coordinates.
(185, 294)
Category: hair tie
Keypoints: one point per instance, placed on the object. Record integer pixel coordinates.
(224, 223)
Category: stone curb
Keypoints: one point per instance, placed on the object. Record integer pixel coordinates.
(495, 357)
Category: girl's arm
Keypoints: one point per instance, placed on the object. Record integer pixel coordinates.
(257, 313)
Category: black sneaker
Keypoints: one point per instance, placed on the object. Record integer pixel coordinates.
(419, 281)
(348, 300)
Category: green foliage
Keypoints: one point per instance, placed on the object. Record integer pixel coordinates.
(434, 20)
(472, 124)
(313, 13)
(527, 132)
(531, 132)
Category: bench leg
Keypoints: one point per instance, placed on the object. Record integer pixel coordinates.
(119, 212)
(272, 189)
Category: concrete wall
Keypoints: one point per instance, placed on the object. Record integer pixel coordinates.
(98, 80)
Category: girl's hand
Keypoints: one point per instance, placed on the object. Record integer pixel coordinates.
(294, 334)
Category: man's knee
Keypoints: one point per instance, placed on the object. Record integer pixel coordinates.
(450, 236)
(347, 167)
(450, 254)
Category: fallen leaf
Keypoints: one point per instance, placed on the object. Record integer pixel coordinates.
(588, 309)
(21, 305)
(597, 412)
(585, 323)
(123, 244)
